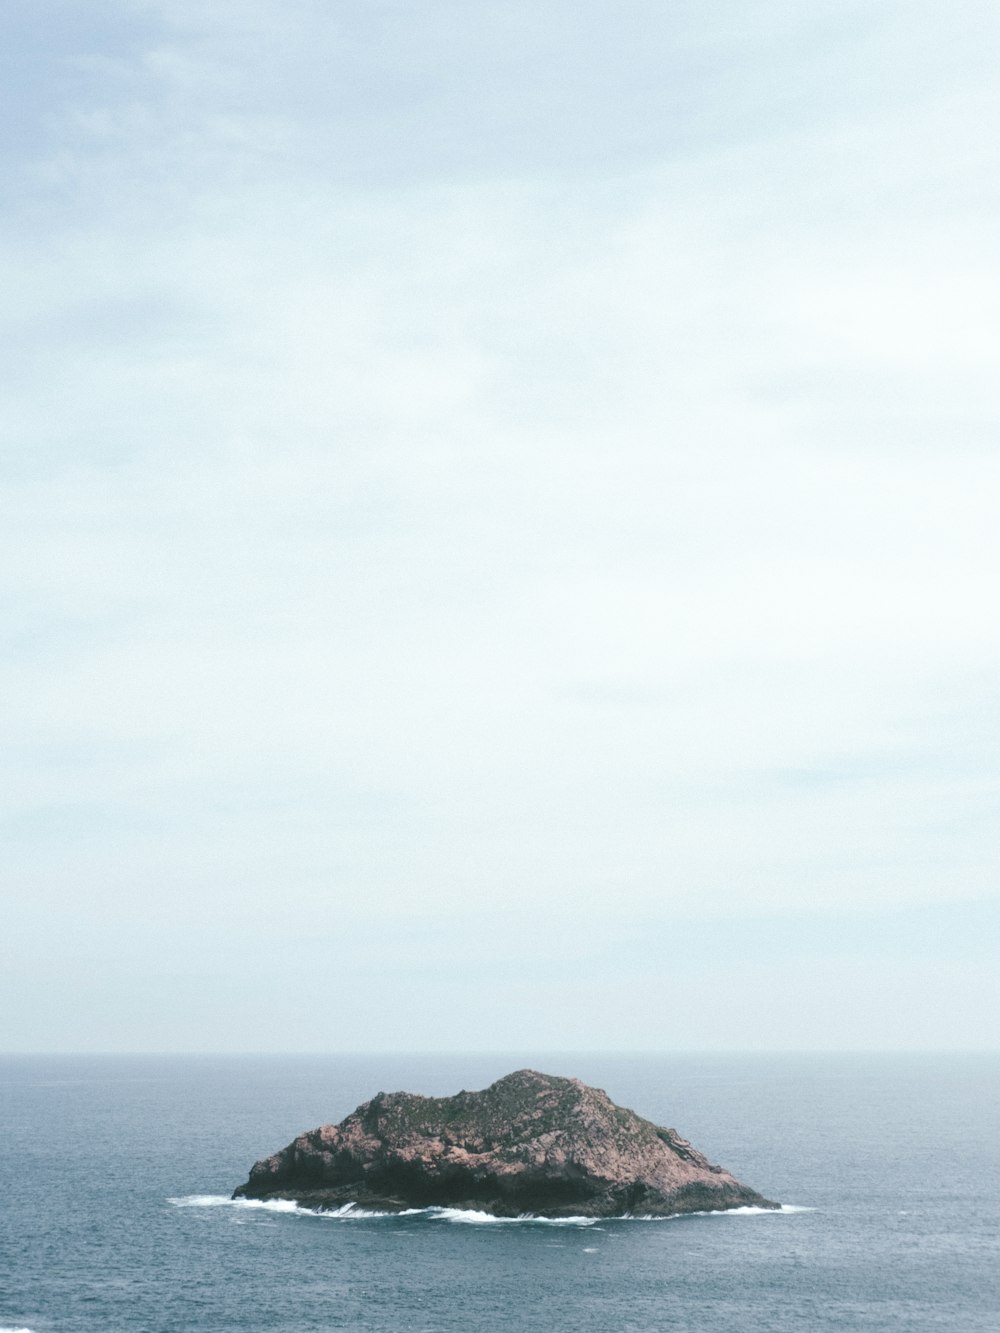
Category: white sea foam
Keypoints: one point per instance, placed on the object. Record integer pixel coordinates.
(224, 1201)
(15, 1330)
(752, 1210)
(350, 1212)
(748, 1210)
(472, 1217)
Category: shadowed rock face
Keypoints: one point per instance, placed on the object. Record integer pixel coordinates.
(529, 1143)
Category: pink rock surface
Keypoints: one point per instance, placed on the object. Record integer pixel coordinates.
(529, 1143)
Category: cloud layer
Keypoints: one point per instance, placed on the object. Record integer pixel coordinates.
(495, 503)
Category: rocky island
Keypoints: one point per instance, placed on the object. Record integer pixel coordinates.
(529, 1143)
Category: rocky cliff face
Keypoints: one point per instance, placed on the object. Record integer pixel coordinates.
(529, 1143)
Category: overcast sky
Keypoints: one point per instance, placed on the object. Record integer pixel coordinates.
(500, 524)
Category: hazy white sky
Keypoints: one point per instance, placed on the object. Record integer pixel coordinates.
(499, 541)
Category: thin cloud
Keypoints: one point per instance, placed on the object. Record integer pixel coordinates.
(496, 475)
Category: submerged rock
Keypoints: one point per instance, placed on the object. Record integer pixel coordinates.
(529, 1143)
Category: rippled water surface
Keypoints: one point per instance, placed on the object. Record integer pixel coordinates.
(115, 1175)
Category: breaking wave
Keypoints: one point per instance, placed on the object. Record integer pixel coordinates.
(224, 1201)
(350, 1212)
(748, 1210)
(472, 1217)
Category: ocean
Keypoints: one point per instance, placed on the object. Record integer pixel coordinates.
(115, 1175)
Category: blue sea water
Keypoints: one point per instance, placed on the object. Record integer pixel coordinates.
(115, 1174)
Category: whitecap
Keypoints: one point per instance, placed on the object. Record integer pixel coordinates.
(224, 1201)
(747, 1210)
(347, 1210)
(473, 1217)
(754, 1210)
(459, 1216)
(352, 1212)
